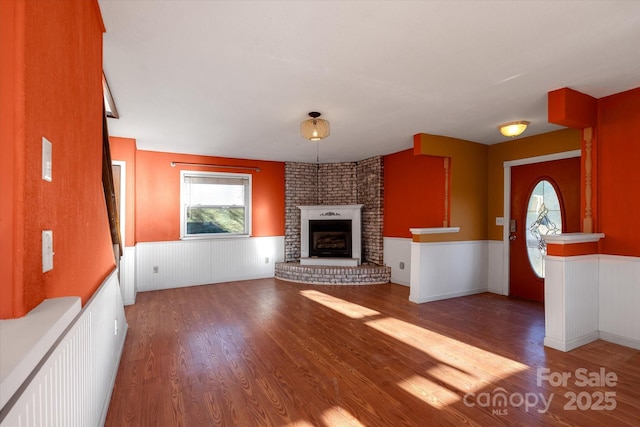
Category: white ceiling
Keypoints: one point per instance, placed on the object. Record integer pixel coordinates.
(236, 78)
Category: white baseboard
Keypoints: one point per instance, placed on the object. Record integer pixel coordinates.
(570, 344)
(449, 295)
(616, 339)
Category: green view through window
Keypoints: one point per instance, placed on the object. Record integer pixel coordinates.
(215, 204)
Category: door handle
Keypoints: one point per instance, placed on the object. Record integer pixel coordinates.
(513, 237)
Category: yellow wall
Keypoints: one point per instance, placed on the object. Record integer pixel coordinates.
(468, 191)
(522, 148)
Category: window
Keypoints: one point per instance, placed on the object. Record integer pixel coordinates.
(544, 217)
(215, 204)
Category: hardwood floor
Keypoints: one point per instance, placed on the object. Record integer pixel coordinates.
(274, 353)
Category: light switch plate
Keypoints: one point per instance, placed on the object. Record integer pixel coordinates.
(47, 250)
(499, 220)
(47, 164)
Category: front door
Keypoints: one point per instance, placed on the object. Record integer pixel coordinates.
(545, 199)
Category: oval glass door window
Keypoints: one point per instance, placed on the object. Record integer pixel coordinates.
(544, 217)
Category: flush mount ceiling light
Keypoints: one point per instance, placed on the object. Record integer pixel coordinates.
(314, 129)
(513, 128)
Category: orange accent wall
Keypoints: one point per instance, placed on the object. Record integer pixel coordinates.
(575, 249)
(618, 134)
(468, 184)
(124, 149)
(522, 148)
(11, 157)
(158, 194)
(53, 65)
(413, 192)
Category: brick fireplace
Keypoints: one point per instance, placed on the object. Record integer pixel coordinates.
(331, 185)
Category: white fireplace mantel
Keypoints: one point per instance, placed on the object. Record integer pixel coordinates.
(332, 212)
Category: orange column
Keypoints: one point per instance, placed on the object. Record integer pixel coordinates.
(567, 107)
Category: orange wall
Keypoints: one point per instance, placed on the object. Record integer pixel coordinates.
(618, 133)
(11, 158)
(158, 194)
(468, 184)
(413, 193)
(124, 149)
(54, 64)
(521, 148)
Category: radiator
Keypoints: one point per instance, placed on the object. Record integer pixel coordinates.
(72, 385)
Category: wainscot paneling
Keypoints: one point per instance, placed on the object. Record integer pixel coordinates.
(72, 385)
(175, 264)
(397, 254)
(619, 295)
(447, 270)
(128, 275)
(571, 301)
(496, 281)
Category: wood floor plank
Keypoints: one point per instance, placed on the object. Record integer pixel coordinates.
(273, 353)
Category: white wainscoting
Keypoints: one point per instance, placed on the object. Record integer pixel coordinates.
(398, 250)
(448, 269)
(199, 262)
(619, 296)
(590, 297)
(72, 385)
(497, 282)
(571, 301)
(128, 275)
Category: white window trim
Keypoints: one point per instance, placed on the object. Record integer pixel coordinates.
(248, 206)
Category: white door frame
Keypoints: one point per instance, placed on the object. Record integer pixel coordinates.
(507, 204)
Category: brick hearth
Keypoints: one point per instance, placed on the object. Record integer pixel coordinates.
(331, 275)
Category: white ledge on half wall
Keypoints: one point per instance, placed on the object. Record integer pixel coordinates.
(435, 230)
(26, 340)
(571, 238)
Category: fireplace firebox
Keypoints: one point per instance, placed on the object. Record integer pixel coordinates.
(330, 238)
(337, 239)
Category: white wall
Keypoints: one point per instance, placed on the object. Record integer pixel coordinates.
(398, 250)
(619, 297)
(496, 280)
(128, 275)
(589, 297)
(448, 269)
(198, 262)
(571, 301)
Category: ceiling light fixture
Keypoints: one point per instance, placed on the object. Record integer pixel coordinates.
(314, 129)
(513, 128)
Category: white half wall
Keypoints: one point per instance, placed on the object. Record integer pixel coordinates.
(176, 264)
(448, 269)
(619, 297)
(397, 250)
(72, 385)
(496, 280)
(571, 301)
(589, 297)
(128, 275)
